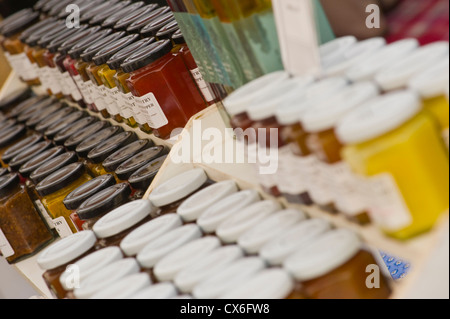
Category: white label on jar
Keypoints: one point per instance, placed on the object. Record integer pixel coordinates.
(62, 227)
(387, 206)
(72, 88)
(5, 246)
(90, 91)
(97, 96)
(125, 110)
(112, 99)
(55, 80)
(152, 111)
(20, 64)
(202, 85)
(42, 72)
(129, 100)
(83, 89)
(445, 134)
(44, 213)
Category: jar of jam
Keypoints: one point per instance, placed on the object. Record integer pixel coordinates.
(156, 250)
(28, 154)
(99, 63)
(64, 123)
(103, 202)
(43, 115)
(371, 135)
(171, 194)
(334, 267)
(167, 31)
(17, 101)
(19, 239)
(221, 283)
(65, 134)
(141, 180)
(144, 20)
(124, 288)
(51, 166)
(159, 291)
(76, 139)
(127, 20)
(197, 204)
(163, 88)
(95, 140)
(216, 214)
(183, 257)
(52, 191)
(12, 110)
(10, 136)
(55, 259)
(109, 12)
(127, 168)
(116, 225)
(34, 110)
(231, 229)
(155, 25)
(53, 119)
(136, 240)
(206, 267)
(99, 8)
(29, 167)
(19, 147)
(111, 21)
(75, 199)
(100, 153)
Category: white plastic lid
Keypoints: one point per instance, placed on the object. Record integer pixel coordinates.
(231, 229)
(91, 264)
(335, 51)
(355, 54)
(276, 251)
(238, 101)
(268, 284)
(208, 266)
(326, 115)
(331, 251)
(178, 187)
(122, 218)
(433, 82)
(396, 76)
(161, 247)
(66, 250)
(391, 54)
(168, 267)
(108, 276)
(160, 291)
(228, 279)
(125, 288)
(255, 238)
(194, 206)
(134, 242)
(378, 117)
(217, 213)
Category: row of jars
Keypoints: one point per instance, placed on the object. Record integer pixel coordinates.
(195, 238)
(367, 139)
(62, 169)
(129, 62)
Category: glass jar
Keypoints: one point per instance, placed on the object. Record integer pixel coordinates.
(64, 123)
(76, 139)
(377, 137)
(171, 194)
(156, 250)
(53, 119)
(144, 20)
(334, 267)
(23, 233)
(75, 199)
(43, 115)
(95, 140)
(127, 20)
(141, 180)
(105, 14)
(17, 148)
(223, 209)
(37, 161)
(168, 30)
(28, 154)
(156, 291)
(163, 88)
(12, 110)
(13, 102)
(11, 136)
(136, 240)
(55, 259)
(103, 202)
(124, 288)
(115, 226)
(54, 188)
(97, 9)
(51, 166)
(100, 153)
(111, 21)
(154, 26)
(8, 124)
(66, 133)
(34, 110)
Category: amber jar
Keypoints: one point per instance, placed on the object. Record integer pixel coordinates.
(17, 148)
(64, 123)
(95, 140)
(65, 134)
(28, 154)
(11, 136)
(141, 180)
(22, 228)
(76, 139)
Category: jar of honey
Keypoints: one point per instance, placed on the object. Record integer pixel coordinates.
(11, 136)
(141, 180)
(39, 117)
(34, 110)
(19, 102)
(95, 140)
(29, 167)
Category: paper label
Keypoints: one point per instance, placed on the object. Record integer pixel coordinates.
(112, 99)
(54, 80)
(83, 86)
(44, 213)
(62, 227)
(22, 66)
(202, 85)
(70, 87)
(5, 247)
(129, 101)
(151, 111)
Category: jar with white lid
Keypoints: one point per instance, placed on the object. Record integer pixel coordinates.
(391, 54)
(110, 274)
(88, 266)
(168, 267)
(398, 147)
(396, 76)
(116, 225)
(155, 251)
(255, 238)
(224, 209)
(231, 229)
(335, 51)
(219, 260)
(57, 257)
(303, 234)
(268, 284)
(124, 288)
(135, 241)
(228, 279)
(172, 193)
(197, 204)
(164, 290)
(336, 176)
(299, 159)
(334, 267)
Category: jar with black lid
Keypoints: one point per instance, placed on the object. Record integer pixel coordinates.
(22, 106)
(12, 152)
(43, 115)
(55, 118)
(51, 166)
(34, 163)
(168, 30)
(138, 24)
(113, 19)
(152, 29)
(108, 12)
(141, 180)
(126, 21)
(29, 153)
(65, 122)
(65, 134)
(11, 101)
(3, 171)
(11, 136)
(7, 124)
(87, 16)
(34, 110)
(95, 140)
(76, 139)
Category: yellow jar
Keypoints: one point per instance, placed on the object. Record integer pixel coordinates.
(398, 147)
(55, 188)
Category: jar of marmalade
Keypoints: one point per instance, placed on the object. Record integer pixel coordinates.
(141, 180)
(17, 101)
(167, 31)
(43, 116)
(95, 140)
(33, 164)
